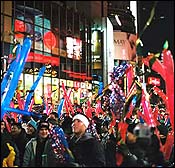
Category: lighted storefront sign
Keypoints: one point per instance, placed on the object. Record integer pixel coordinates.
(73, 48)
(34, 57)
(88, 86)
(45, 39)
(70, 83)
(63, 81)
(83, 85)
(96, 41)
(76, 84)
(76, 95)
(154, 81)
(78, 75)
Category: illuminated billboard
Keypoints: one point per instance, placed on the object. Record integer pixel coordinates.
(73, 48)
(124, 46)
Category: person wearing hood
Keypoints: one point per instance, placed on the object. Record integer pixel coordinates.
(39, 151)
(86, 149)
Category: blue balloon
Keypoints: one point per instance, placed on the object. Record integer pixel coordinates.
(60, 107)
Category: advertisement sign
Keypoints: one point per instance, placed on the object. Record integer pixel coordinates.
(40, 58)
(154, 81)
(76, 84)
(124, 46)
(83, 85)
(73, 48)
(70, 83)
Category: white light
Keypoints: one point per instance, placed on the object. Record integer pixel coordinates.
(133, 8)
(148, 23)
(118, 20)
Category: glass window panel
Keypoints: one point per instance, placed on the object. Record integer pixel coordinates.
(83, 67)
(6, 7)
(38, 44)
(39, 5)
(55, 15)
(28, 81)
(62, 67)
(29, 4)
(76, 66)
(47, 10)
(63, 31)
(63, 20)
(56, 41)
(7, 29)
(70, 28)
(69, 67)
(55, 93)
(38, 93)
(76, 25)
(47, 89)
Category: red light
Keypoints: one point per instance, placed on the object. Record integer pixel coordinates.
(154, 81)
(19, 27)
(34, 57)
(49, 40)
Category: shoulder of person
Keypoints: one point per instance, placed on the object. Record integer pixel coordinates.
(32, 140)
(88, 137)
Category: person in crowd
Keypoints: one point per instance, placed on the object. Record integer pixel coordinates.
(24, 120)
(10, 121)
(52, 122)
(65, 124)
(39, 151)
(4, 128)
(60, 143)
(153, 153)
(86, 149)
(163, 132)
(171, 159)
(8, 156)
(132, 151)
(9, 150)
(143, 147)
(31, 129)
(53, 115)
(109, 142)
(19, 138)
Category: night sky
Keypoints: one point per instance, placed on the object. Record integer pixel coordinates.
(160, 29)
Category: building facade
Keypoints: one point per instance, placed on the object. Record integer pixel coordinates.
(75, 41)
(61, 41)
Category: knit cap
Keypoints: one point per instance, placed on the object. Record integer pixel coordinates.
(33, 123)
(82, 118)
(43, 124)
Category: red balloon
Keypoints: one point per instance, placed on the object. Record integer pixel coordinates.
(129, 75)
(168, 63)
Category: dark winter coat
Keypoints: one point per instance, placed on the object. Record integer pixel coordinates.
(88, 151)
(6, 138)
(20, 141)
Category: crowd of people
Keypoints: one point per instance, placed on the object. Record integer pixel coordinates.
(78, 141)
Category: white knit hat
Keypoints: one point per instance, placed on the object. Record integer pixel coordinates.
(82, 118)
